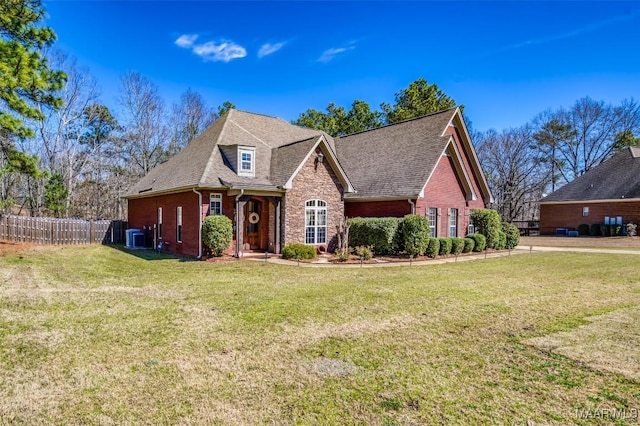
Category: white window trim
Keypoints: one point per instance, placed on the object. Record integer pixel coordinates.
(159, 223)
(585, 211)
(315, 208)
(218, 197)
(453, 216)
(179, 224)
(247, 150)
(433, 227)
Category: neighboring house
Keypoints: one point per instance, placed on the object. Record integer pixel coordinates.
(610, 190)
(281, 183)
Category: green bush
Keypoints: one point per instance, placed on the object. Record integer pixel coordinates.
(217, 233)
(488, 223)
(445, 246)
(469, 244)
(415, 232)
(433, 248)
(457, 245)
(298, 251)
(364, 252)
(512, 234)
(594, 230)
(480, 241)
(501, 242)
(377, 232)
(583, 229)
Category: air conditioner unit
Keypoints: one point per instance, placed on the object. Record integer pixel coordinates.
(134, 238)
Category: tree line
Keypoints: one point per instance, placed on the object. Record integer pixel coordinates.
(64, 152)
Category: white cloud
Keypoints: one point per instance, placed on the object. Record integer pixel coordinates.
(186, 40)
(329, 54)
(268, 48)
(225, 51)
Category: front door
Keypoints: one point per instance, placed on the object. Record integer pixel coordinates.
(252, 221)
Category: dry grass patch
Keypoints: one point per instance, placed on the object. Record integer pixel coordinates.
(610, 342)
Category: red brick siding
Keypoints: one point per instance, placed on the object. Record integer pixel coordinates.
(310, 183)
(466, 161)
(554, 216)
(143, 213)
(444, 191)
(397, 208)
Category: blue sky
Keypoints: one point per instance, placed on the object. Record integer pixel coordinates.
(505, 61)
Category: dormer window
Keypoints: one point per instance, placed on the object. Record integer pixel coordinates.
(246, 161)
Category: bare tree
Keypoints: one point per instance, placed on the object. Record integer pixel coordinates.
(515, 175)
(146, 136)
(584, 135)
(188, 119)
(57, 140)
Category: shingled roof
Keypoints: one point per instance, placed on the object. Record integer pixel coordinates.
(614, 179)
(395, 161)
(205, 162)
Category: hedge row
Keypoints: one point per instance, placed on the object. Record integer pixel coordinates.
(408, 235)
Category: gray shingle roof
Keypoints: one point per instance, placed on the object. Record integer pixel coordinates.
(203, 164)
(394, 161)
(616, 178)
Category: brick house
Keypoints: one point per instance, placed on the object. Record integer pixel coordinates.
(281, 183)
(609, 190)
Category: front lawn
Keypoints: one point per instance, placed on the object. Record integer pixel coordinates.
(96, 335)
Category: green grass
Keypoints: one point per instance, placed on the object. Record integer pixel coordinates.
(96, 335)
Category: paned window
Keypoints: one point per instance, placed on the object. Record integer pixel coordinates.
(585, 211)
(453, 222)
(315, 222)
(246, 162)
(215, 204)
(433, 221)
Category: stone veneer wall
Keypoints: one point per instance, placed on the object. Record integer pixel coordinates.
(310, 183)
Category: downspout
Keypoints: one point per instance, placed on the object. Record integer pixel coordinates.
(199, 223)
(238, 221)
(413, 206)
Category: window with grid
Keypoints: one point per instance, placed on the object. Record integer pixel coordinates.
(315, 230)
(159, 222)
(215, 204)
(433, 221)
(453, 222)
(246, 162)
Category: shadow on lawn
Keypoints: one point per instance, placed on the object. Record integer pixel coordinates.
(148, 253)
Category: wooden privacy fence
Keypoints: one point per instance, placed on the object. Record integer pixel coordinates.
(47, 230)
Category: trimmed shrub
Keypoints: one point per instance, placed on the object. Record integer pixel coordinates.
(433, 248)
(364, 252)
(376, 232)
(415, 232)
(594, 230)
(445, 246)
(217, 233)
(457, 245)
(512, 234)
(501, 242)
(583, 229)
(616, 230)
(469, 244)
(487, 223)
(298, 251)
(480, 241)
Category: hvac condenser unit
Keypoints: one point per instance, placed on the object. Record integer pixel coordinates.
(134, 238)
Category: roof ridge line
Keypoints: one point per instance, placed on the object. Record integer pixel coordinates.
(399, 122)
